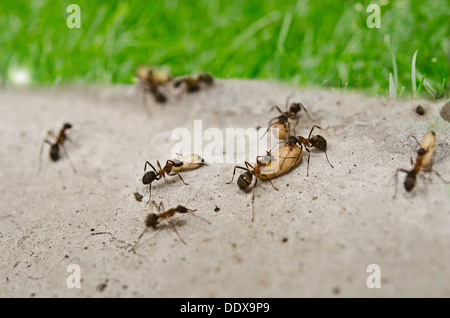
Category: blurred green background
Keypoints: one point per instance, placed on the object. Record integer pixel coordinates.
(312, 43)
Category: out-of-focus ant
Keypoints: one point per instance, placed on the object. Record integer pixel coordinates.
(423, 163)
(193, 83)
(57, 145)
(151, 80)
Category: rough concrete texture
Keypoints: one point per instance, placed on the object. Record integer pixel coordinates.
(314, 237)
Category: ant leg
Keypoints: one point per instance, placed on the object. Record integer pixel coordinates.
(177, 174)
(150, 193)
(67, 156)
(148, 163)
(45, 141)
(287, 99)
(277, 108)
(396, 180)
(253, 200)
(415, 138)
(309, 157)
(158, 165)
(139, 238)
(327, 158)
(178, 234)
(273, 185)
(197, 216)
(247, 164)
(310, 133)
(234, 172)
(307, 114)
(268, 127)
(440, 177)
(158, 208)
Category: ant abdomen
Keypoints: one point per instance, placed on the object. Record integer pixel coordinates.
(54, 152)
(151, 220)
(410, 181)
(294, 108)
(244, 180)
(319, 142)
(148, 177)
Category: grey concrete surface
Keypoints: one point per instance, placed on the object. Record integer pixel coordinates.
(314, 237)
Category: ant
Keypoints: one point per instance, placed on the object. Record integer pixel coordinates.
(192, 83)
(152, 219)
(423, 163)
(152, 79)
(263, 170)
(151, 176)
(316, 141)
(281, 123)
(292, 111)
(57, 145)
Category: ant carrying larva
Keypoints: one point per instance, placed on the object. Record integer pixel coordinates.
(423, 163)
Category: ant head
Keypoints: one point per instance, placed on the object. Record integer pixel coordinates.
(421, 152)
(182, 209)
(292, 140)
(410, 181)
(244, 180)
(148, 177)
(282, 119)
(295, 108)
(67, 126)
(319, 142)
(177, 163)
(54, 152)
(151, 220)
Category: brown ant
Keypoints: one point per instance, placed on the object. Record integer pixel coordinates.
(292, 111)
(151, 80)
(423, 163)
(57, 145)
(266, 169)
(151, 176)
(192, 83)
(152, 219)
(316, 141)
(281, 123)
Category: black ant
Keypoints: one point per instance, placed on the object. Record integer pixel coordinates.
(423, 163)
(57, 145)
(151, 81)
(152, 219)
(192, 83)
(151, 176)
(316, 141)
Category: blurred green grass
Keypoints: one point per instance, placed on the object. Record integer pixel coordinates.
(312, 43)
